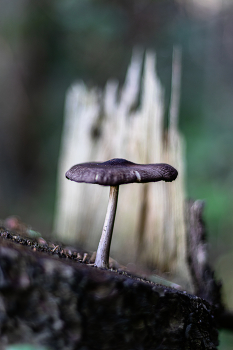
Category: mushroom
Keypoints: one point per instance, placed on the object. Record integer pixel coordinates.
(113, 173)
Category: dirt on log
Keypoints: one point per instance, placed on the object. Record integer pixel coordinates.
(64, 304)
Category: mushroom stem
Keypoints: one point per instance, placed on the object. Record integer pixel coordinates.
(102, 254)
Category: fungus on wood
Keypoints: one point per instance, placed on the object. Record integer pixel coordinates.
(113, 173)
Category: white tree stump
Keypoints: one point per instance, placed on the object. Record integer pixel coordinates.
(100, 125)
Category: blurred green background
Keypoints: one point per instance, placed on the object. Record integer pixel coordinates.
(47, 45)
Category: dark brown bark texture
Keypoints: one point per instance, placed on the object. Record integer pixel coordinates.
(64, 304)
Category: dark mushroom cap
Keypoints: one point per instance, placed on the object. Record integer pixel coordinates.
(119, 171)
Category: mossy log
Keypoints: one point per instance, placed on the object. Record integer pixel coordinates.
(65, 304)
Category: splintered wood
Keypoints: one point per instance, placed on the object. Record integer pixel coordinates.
(126, 123)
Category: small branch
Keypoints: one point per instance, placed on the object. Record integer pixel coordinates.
(205, 285)
(204, 282)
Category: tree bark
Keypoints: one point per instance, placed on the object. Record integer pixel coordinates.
(65, 304)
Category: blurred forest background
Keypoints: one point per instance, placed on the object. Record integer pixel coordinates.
(47, 45)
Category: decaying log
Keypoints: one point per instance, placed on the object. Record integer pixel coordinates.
(64, 304)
